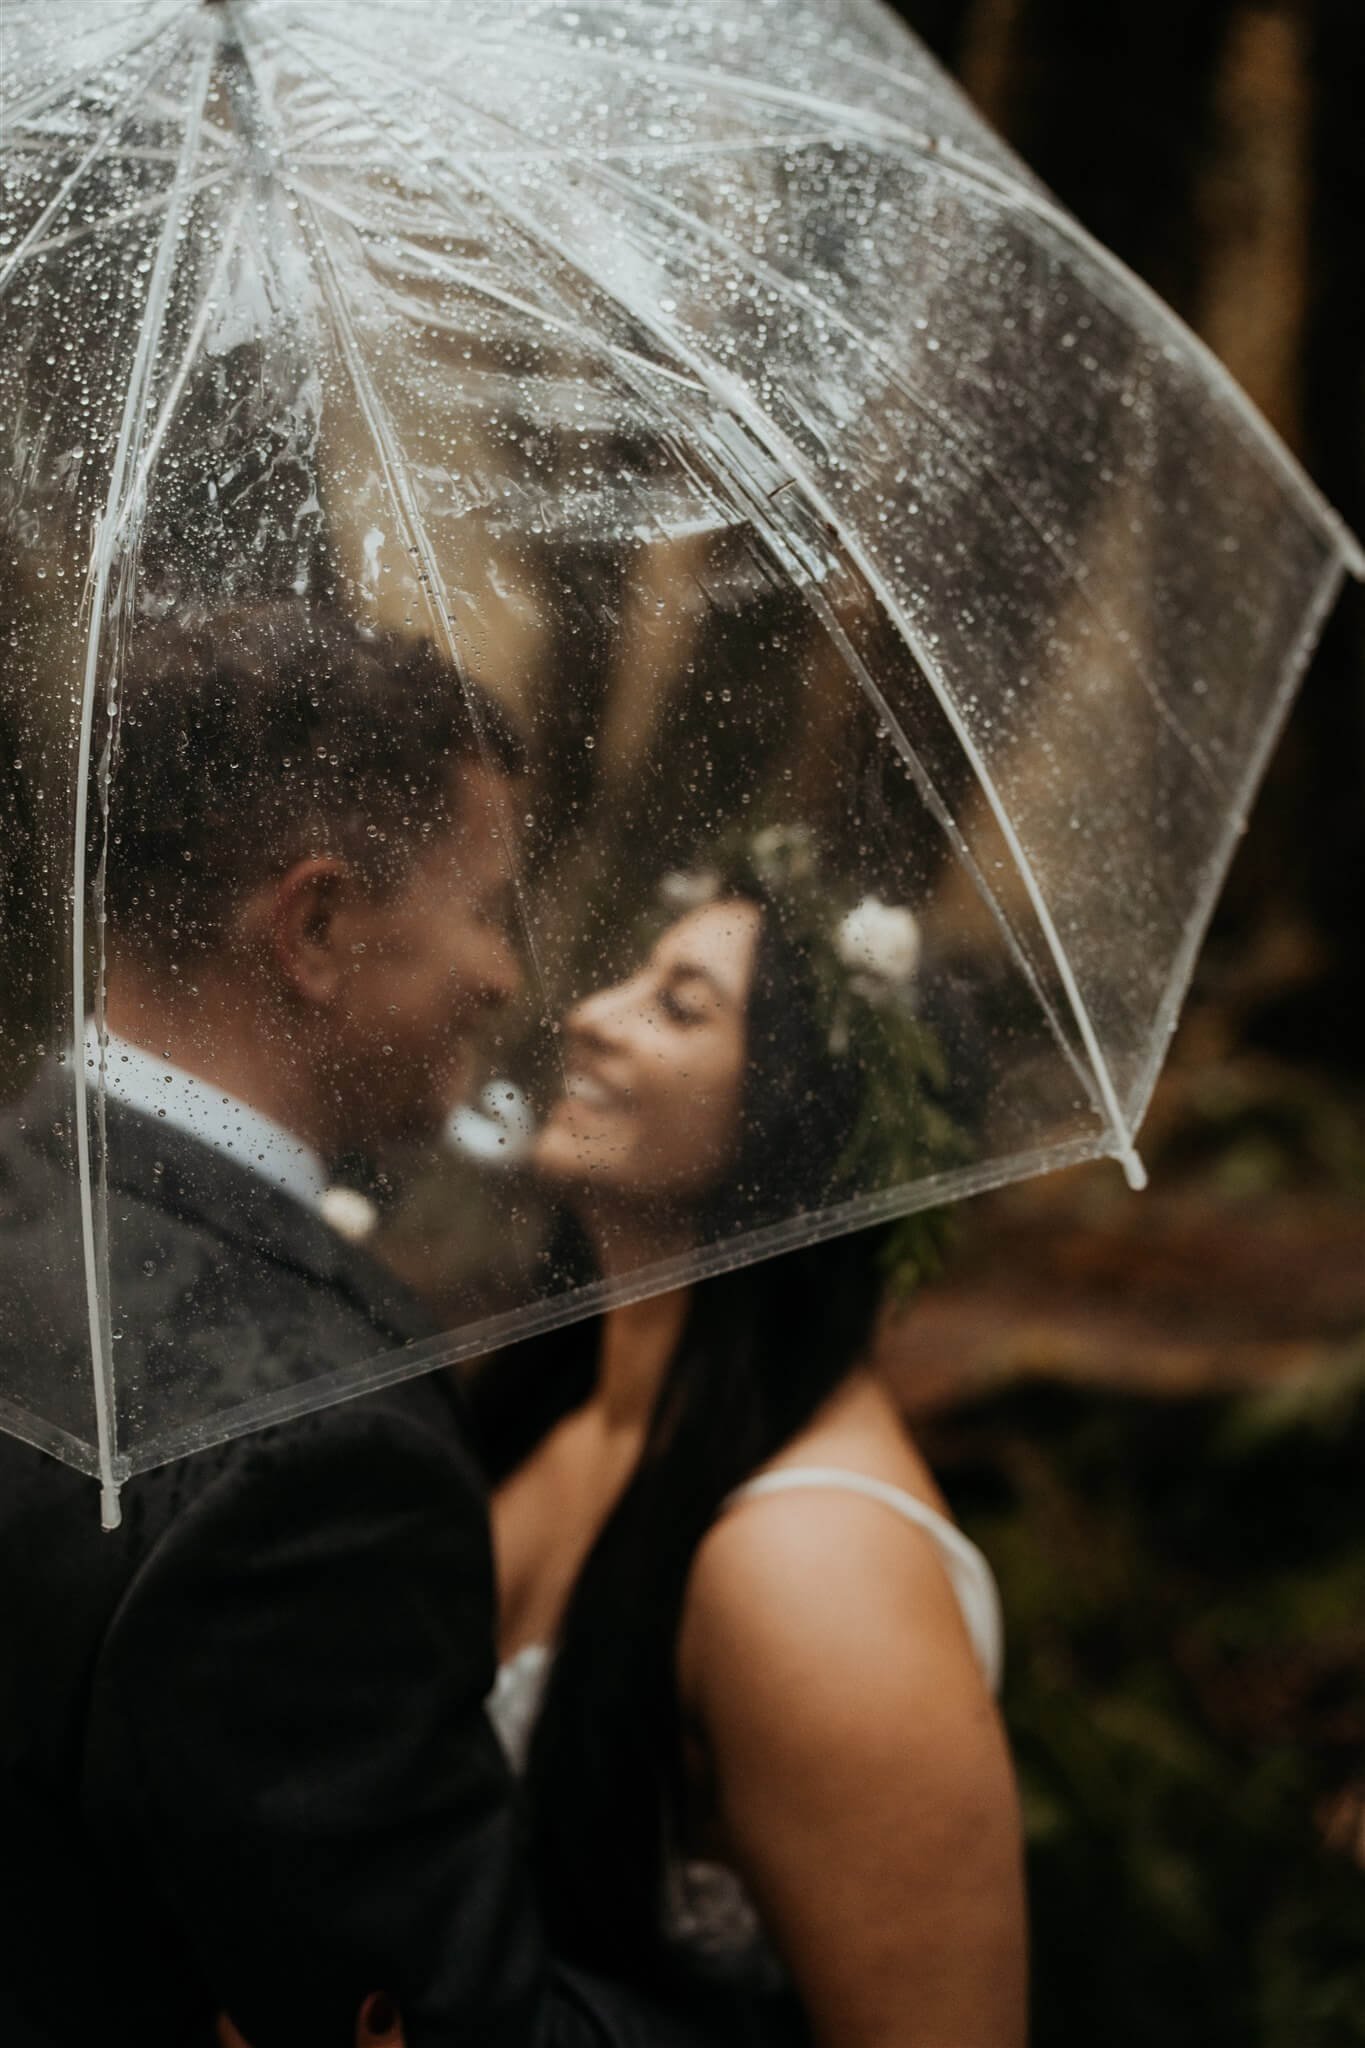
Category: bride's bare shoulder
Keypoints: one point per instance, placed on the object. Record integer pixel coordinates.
(818, 1570)
(849, 1749)
(860, 1429)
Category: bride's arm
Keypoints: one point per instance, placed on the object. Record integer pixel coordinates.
(864, 1785)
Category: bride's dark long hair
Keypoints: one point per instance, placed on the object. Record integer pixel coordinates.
(762, 1349)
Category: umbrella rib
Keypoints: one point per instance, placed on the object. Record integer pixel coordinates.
(938, 809)
(94, 1227)
(387, 449)
(627, 359)
(381, 432)
(32, 240)
(770, 436)
(845, 122)
(791, 290)
(41, 10)
(907, 82)
(132, 498)
(735, 399)
(735, 146)
(854, 123)
(156, 204)
(626, 153)
(960, 165)
(1124, 1149)
(52, 94)
(766, 432)
(477, 287)
(1197, 922)
(952, 159)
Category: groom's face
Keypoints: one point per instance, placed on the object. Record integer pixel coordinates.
(426, 965)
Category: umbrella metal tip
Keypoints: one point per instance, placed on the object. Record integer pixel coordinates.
(1134, 1171)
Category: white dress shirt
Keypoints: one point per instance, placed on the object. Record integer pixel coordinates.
(160, 1089)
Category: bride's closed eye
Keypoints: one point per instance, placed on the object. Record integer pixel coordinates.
(685, 999)
(691, 994)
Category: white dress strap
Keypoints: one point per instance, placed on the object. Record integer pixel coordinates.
(970, 1575)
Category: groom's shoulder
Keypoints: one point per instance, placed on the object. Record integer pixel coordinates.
(386, 1474)
(367, 1492)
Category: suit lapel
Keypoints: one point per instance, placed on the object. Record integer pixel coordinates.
(177, 1173)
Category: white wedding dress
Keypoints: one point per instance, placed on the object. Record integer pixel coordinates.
(707, 1910)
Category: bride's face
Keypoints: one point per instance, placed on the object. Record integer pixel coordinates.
(655, 1066)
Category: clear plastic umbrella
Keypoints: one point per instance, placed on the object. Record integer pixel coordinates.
(625, 649)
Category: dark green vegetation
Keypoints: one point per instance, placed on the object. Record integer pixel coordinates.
(1185, 1590)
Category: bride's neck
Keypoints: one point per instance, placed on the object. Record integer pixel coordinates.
(640, 1337)
(638, 1341)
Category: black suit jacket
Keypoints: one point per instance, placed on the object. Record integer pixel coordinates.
(243, 1758)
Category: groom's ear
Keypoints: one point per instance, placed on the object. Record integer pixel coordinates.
(297, 919)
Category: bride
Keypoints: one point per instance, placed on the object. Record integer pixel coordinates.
(747, 1659)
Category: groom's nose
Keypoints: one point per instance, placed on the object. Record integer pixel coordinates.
(500, 977)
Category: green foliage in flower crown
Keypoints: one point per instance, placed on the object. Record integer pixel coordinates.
(913, 1251)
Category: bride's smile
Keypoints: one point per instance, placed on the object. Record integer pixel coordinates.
(591, 1092)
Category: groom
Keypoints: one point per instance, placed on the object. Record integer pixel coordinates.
(244, 1766)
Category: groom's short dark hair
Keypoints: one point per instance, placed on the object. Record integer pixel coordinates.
(242, 743)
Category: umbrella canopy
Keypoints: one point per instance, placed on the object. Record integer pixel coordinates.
(625, 649)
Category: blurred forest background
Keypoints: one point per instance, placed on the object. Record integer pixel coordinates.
(1151, 1410)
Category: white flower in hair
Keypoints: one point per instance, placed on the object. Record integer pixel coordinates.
(689, 889)
(783, 854)
(880, 944)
